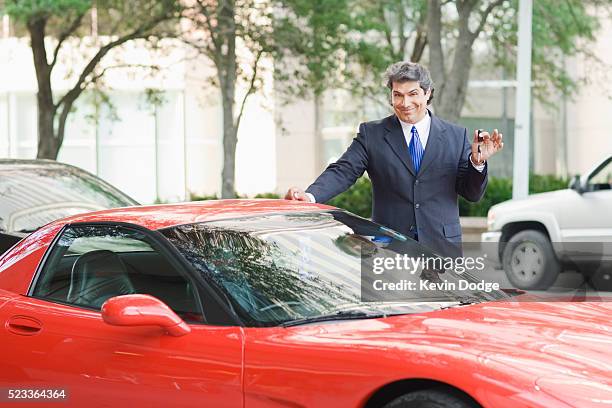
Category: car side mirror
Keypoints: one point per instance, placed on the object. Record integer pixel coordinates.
(576, 184)
(143, 310)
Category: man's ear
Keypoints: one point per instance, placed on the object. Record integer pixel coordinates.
(430, 96)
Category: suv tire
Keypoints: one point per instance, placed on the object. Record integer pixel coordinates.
(530, 262)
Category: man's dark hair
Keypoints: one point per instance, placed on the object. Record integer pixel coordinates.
(405, 71)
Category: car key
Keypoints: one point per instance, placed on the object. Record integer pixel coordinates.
(480, 140)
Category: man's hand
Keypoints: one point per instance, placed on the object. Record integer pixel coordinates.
(296, 193)
(488, 144)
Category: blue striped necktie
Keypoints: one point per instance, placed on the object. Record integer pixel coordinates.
(416, 149)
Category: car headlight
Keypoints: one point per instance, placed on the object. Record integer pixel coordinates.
(490, 220)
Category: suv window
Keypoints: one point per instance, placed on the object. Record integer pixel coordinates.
(89, 264)
(602, 180)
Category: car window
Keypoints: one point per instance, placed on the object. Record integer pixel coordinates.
(90, 264)
(34, 195)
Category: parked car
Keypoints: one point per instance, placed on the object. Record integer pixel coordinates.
(253, 303)
(536, 238)
(35, 192)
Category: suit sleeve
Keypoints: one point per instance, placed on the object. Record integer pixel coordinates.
(471, 184)
(341, 175)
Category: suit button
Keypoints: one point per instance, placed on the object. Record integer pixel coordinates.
(417, 206)
(412, 228)
(416, 182)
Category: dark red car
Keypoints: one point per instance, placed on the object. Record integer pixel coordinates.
(257, 304)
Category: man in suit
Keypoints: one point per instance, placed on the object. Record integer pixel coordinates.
(417, 162)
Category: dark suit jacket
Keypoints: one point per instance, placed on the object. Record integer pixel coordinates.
(423, 203)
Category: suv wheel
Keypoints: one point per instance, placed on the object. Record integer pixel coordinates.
(530, 262)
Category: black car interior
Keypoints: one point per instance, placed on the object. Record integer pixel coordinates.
(92, 278)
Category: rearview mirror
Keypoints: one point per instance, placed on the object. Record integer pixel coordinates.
(143, 310)
(576, 184)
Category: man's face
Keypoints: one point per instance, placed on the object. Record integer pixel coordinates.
(409, 101)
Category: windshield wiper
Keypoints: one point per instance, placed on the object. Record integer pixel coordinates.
(339, 315)
(463, 301)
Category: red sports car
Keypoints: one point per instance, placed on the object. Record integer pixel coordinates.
(258, 304)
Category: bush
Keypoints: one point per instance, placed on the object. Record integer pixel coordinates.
(267, 195)
(500, 189)
(357, 199)
(195, 197)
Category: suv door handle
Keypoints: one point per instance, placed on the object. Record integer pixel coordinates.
(24, 325)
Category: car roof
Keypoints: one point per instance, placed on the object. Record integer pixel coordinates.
(169, 215)
(18, 163)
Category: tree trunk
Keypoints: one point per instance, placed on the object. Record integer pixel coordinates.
(436, 55)
(228, 71)
(450, 84)
(48, 148)
(48, 145)
(230, 140)
(451, 101)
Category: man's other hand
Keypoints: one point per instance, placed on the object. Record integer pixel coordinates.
(296, 193)
(487, 146)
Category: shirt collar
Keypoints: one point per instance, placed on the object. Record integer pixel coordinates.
(422, 126)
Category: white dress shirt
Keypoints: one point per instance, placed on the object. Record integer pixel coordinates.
(423, 127)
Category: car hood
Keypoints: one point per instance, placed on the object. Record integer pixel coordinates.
(563, 348)
(536, 201)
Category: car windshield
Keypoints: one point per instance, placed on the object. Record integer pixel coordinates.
(34, 195)
(294, 266)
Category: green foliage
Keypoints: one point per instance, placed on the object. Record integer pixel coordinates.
(267, 195)
(310, 41)
(560, 29)
(195, 197)
(26, 10)
(385, 31)
(357, 199)
(500, 189)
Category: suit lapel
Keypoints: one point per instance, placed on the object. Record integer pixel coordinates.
(395, 138)
(434, 143)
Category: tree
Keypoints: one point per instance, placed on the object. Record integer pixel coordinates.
(311, 41)
(445, 31)
(66, 19)
(236, 35)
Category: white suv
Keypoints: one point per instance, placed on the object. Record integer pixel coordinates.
(535, 238)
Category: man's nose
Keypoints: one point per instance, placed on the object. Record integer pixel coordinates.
(406, 101)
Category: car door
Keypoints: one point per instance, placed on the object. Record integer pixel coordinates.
(56, 338)
(590, 218)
